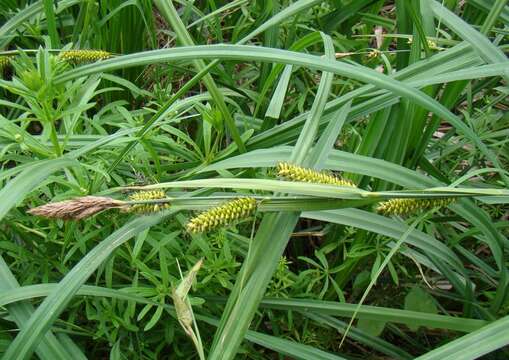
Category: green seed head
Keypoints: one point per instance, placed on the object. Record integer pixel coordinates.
(81, 56)
(296, 173)
(410, 206)
(146, 196)
(222, 215)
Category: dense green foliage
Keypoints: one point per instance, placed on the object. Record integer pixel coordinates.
(363, 143)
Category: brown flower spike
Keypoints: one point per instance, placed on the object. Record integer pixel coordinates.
(76, 209)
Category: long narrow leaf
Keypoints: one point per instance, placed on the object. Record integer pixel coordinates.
(239, 52)
(474, 345)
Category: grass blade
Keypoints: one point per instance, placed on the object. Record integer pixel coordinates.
(51, 23)
(474, 345)
(25, 182)
(376, 313)
(300, 351)
(49, 348)
(358, 335)
(277, 101)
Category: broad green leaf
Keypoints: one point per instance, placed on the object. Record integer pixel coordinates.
(290, 348)
(419, 300)
(325, 190)
(371, 327)
(375, 313)
(332, 308)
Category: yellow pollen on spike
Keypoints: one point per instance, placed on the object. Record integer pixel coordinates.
(297, 173)
(81, 56)
(409, 206)
(222, 215)
(148, 207)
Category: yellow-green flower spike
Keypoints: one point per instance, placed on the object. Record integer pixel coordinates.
(374, 53)
(432, 45)
(81, 56)
(222, 215)
(409, 206)
(297, 173)
(4, 62)
(146, 196)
